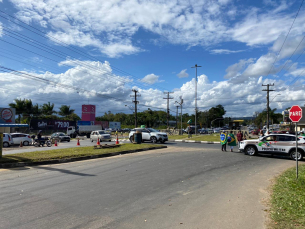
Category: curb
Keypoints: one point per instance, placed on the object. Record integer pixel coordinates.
(193, 141)
(66, 160)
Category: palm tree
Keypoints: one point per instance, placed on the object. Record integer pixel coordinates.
(19, 105)
(48, 109)
(65, 110)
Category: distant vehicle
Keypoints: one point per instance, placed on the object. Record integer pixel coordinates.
(60, 137)
(149, 134)
(101, 135)
(203, 131)
(192, 129)
(82, 130)
(126, 130)
(7, 140)
(20, 137)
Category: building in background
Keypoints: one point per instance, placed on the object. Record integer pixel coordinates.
(88, 113)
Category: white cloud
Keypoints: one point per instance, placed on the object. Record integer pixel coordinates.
(289, 46)
(183, 74)
(261, 29)
(100, 85)
(1, 29)
(150, 79)
(225, 51)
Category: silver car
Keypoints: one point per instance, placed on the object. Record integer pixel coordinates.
(101, 135)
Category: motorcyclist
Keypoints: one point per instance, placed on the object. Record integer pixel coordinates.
(39, 137)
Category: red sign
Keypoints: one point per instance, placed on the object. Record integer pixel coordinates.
(295, 113)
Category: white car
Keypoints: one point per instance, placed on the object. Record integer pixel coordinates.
(7, 140)
(101, 135)
(20, 137)
(149, 134)
(283, 144)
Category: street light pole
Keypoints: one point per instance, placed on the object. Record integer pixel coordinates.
(196, 66)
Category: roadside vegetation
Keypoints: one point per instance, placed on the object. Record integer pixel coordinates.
(208, 137)
(288, 200)
(47, 155)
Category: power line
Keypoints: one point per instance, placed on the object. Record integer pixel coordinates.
(286, 37)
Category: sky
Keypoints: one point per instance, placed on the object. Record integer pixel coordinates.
(76, 52)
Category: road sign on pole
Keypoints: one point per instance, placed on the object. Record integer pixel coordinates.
(295, 114)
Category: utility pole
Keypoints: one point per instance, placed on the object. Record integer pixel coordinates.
(181, 102)
(196, 66)
(177, 117)
(135, 101)
(168, 98)
(268, 85)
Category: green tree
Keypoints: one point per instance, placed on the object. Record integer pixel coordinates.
(19, 105)
(65, 111)
(48, 109)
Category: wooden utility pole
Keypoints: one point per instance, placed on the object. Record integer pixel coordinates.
(268, 85)
(135, 101)
(168, 98)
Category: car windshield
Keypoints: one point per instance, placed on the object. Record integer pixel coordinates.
(61, 134)
(101, 132)
(152, 130)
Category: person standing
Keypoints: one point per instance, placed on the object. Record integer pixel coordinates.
(231, 140)
(239, 137)
(223, 141)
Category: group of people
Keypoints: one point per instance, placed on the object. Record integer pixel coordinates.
(230, 140)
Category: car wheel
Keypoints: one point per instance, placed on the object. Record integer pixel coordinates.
(131, 140)
(6, 144)
(251, 150)
(49, 143)
(153, 139)
(293, 155)
(26, 143)
(68, 141)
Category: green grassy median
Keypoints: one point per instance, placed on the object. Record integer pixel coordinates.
(39, 156)
(288, 200)
(209, 137)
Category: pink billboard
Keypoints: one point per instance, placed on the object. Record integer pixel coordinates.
(88, 112)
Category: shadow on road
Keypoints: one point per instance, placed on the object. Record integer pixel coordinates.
(65, 171)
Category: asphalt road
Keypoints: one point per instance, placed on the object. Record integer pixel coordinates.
(187, 185)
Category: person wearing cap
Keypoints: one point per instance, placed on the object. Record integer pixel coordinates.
(223, 141)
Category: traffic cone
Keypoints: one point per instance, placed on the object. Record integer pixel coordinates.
(78, 144)
(98, 142)
(55, 143)
(117, 140)
(21, 145)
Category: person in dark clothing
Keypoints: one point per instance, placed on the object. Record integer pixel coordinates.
(39, 137)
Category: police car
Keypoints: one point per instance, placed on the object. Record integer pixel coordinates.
(283, 144)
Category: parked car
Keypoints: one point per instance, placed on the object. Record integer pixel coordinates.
(102, 135)
(20, 137)
(149, 134)
(60, 137)
(202, 131)
(7, 140)
(126, 130)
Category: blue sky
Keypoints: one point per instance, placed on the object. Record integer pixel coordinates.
(102, 50)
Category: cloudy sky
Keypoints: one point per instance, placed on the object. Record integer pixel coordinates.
(76, 52)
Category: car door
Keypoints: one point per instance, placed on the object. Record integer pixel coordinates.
(145, 134)
(16, 138)
(267, 144)
(286, 143)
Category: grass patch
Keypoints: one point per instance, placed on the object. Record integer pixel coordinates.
(208, 137)
(288, 200)
(47, 155)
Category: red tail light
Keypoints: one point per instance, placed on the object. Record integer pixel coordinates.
(29, 136)
(9, 138)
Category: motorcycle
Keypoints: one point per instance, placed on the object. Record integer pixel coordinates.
(42, 142)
